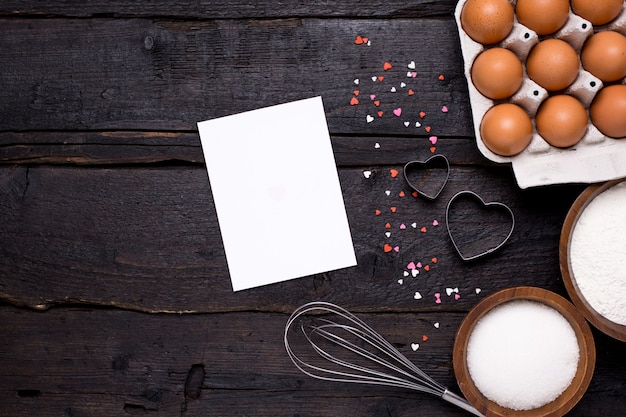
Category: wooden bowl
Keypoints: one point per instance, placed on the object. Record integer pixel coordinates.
(586, 361)
(603, 324)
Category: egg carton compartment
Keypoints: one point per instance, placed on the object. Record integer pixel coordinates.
(595, 157)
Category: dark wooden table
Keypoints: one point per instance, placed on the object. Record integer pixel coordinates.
(115, 294)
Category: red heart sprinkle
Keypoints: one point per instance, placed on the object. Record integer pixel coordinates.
(354, 101)
(393, 172)
(387, 248)
(358, 40)
(387, 66)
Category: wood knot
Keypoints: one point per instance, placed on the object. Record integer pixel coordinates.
(193, 384)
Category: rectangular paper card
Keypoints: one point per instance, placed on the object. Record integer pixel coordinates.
(277, 194)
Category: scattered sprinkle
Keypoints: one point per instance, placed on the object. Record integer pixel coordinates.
(356, 81)
(398, 111)
(441, 77)
(427, 129)
(401, 194)
(423, 230)
(444, 109)
(388, 192)
(387, 226)
(381, 78)
(477, 290)
(422, 114)
(387, 248)
(415, 346)
(377, 212)
(411, 65)
(402, 226)
(367, 174)
(369, 119)
(410, 92)
(437, 298)
(433, 139)
(400, 281)
(393, 209)
(377, 145)
(354, 101)
(424, 338)
(436, 325)
(435, 223)
(393, 172)
(387, 66)
(417, 295)
(388, 234)
(415, 272)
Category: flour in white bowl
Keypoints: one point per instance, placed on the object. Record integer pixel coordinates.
(597, 253)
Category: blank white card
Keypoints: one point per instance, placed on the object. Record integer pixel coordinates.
(277, 194)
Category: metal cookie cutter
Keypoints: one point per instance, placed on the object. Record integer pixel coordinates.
(435, 162)
(499, 206)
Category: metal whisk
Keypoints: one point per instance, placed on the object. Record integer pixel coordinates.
(366, 357)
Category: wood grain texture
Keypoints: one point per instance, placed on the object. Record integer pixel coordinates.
(222, 9)
(140, 74)
(85, 362)
(77, 235)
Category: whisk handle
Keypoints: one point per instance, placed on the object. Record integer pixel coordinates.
(459, 401)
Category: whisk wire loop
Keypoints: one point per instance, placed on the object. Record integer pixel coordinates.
(362, 342)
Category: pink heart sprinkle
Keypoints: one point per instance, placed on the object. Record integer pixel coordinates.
(402, 226)
(414, 74)
(372, 97)
(457, 296)
(419, 264)
(433, 139)
(398, 111)
(397, 249)
(435, 223)
(437, 298)
(411, 265)
(444, 109)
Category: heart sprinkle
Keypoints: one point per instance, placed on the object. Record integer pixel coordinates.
(393, 89)
(436, 325)
(387, 226)
(376, 103)
(398, 111)
(356, 81)
(434, 260)
(415, 346)
(435, 223)
(437, 298)
(354, 101)
(388, 192)
(417, 295)
(388, 234)
(405, 273)
(387, 66)
(411, 265)
(423, 230)
(367, 174)
(369, 119)
(377, 212)
(396, 249)
(387, 248)
(414, 225)
(401, 194)
(400, 281)
(441, 77)
(393, 172)
(432, 149)
(402, 84)
(381, 78)
(380, 114)
(410, 92)
(374, 78)
(393, 209)
(424, 338)
(444, 109)
(426, 268)
(356, 92)
(359, 40)
(427, 129)
(477, 290)
(433, 139)
(419, 265)
(372, 96)
(418, 124)
(377, 145)
(422, 115)
(411, 65)
(415, 272)
(402, 226)
(457, 296)
(406, 124)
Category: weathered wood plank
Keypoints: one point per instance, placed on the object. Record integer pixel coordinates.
(90, 148)
(79, 235)
(140, 74)
(83, 362)
(231, 9)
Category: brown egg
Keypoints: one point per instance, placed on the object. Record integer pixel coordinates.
(487, 21)
(506, 129)
(561, 120)
(604, 55)
(553, 64)
(542, 16)
(598, 12)
(497, 73)
(608, 111)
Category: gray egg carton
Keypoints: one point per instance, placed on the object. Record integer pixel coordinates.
(596, 157)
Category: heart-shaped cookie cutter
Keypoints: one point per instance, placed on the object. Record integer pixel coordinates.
(485, 205)
(427, 164)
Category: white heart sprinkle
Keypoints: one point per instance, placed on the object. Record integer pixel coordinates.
(418, 124)
(406, 124)
(478, 290)
(409, 74)
(415, 272)
(400, 281)
(377, 145)
(356, 81)
(388, 192)
(414, 225)
(374, 78)
(417, 295)
(436, 325)
(456, 290)
(393, 89)
(369, 119)
(415, 346)
(405, 273)
(411, 65)
(402, 84)
(367, 174)
(388, 234)
(369, 43)
(449, 291)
